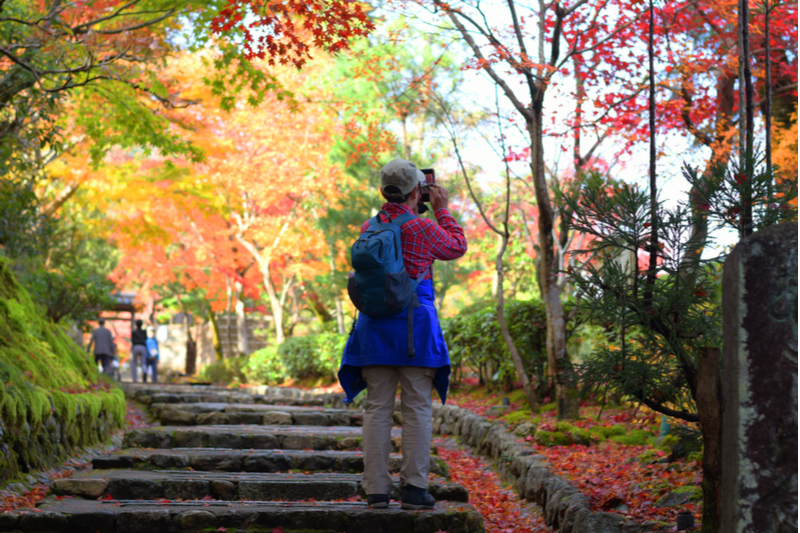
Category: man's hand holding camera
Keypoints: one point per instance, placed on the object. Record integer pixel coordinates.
(438, 195)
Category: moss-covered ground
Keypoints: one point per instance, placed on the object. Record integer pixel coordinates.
(51, 397)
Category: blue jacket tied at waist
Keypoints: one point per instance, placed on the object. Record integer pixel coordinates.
(384, 341)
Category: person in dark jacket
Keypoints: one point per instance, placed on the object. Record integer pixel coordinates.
(376, 356)
(103, 342)
(138, 349)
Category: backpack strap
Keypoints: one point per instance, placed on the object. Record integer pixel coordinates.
(411, 306)
(377, 218)
(402, 219)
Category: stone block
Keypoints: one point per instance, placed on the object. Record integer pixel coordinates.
(223, 490)
(139, 438)
(277, 418)
(759, 385)
(265, 442)
(348, 443)
(451, 492)
(233, 441)
(113, 461)
(250, 418)
(98, 521)
(135, 489)
(356, 419)
(196, 520)
(138, 521)
(553, 510)
(310, 419)
(267, 463)
(177, 417)
(9, 520)
(186, 489)
(211, 419)
(163, 460)
(43, 522)
(600, 523)
(319, 490)
(216, 461)
(571, 508)
(308, 442)
(83, 487)
(314, 462)
(339, 419)
(190, 438)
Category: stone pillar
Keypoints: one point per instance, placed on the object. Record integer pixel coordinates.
(759, 430)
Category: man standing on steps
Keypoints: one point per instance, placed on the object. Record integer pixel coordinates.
(103, 342)
(377, 357)
(138, 349)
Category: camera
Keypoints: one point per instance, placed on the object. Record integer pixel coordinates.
(430, 178)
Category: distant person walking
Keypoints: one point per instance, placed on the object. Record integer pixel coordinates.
(151, 361)
(103, 342)
(138, 350)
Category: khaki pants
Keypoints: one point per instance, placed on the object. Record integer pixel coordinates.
(416, 385)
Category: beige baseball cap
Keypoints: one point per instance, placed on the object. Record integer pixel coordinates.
(402, 174)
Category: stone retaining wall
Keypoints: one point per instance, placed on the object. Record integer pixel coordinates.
(34, 447)
(565, 509)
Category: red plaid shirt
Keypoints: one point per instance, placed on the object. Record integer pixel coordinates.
(423, 240)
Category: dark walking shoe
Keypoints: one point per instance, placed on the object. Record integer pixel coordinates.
(416, 498)
(378, 501)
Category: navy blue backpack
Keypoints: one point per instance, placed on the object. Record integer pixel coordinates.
(380, 286)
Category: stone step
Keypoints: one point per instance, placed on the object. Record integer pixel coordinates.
(139, 516)
(250, 436)
(192, 397)
(228, 460)
(198, 485)
(214, 413)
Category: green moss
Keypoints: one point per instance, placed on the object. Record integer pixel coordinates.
(605, 432)
(695, 457)
(552, 438)
(39, 365)
(637, 437)
(517, 417)
(668, 442)
(518, 396)
(649, 456)
(548, 407)
(695, 492)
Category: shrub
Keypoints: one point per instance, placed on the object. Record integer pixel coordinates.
(228, 370)
(313, 356)
(266, 367)
(474, 339)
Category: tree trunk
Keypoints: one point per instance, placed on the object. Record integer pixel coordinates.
(530, 393)
(212, 316)
(768, 88)
(242, 344)
(191, 355)
(557, 358)
(746, 81)
(709, 409)
(229, 313)
(274, 303)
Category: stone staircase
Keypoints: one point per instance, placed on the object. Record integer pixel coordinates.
(222, 460)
